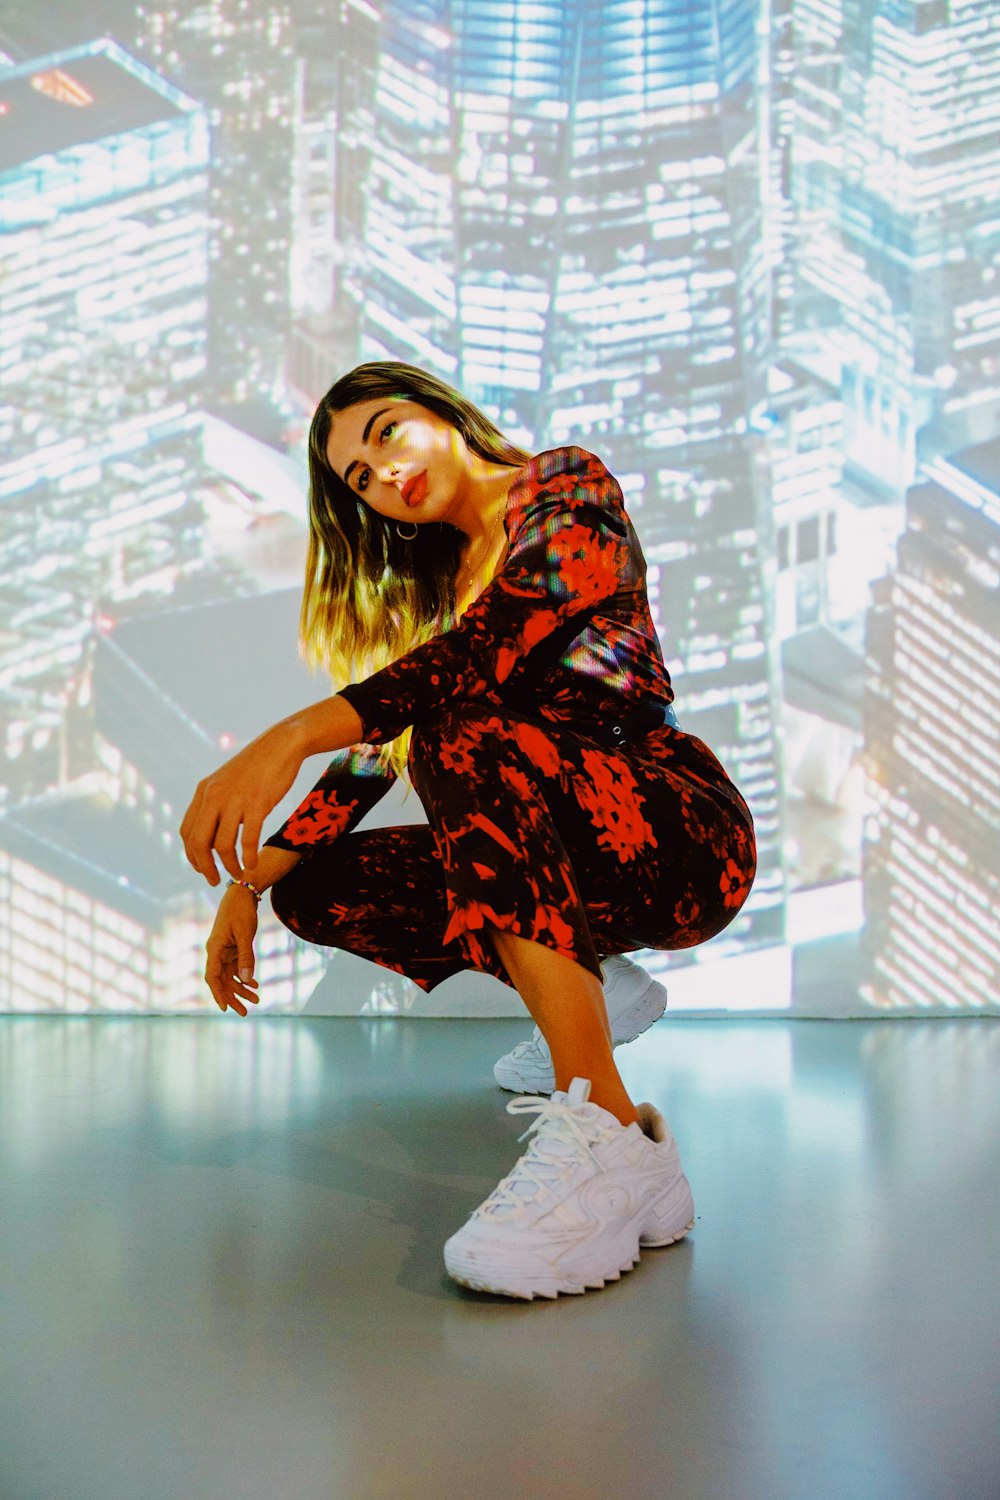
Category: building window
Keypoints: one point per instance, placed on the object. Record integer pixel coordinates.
(807, 540)
(807, 600)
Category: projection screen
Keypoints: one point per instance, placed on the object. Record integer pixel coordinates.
(748, 254)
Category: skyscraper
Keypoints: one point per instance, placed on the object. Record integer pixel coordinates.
(103, 269)
(563, 218)
(103, 264)
(931, 864)
(236, 58)
(338, 52)
(897, 178)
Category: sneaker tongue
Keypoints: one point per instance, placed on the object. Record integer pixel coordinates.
(597, 1122)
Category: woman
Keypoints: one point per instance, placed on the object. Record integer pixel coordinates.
(495, 605)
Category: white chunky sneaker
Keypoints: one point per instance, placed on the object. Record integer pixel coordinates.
(578, 1206)
(634, 1000)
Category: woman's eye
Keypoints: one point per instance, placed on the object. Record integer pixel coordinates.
(363, 476)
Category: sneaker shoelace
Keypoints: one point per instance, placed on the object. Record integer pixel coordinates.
(561, 1141)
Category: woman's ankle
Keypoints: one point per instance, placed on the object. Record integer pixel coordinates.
(606, 1093)
(624, 1111)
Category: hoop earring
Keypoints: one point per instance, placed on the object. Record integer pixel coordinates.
(409, 538)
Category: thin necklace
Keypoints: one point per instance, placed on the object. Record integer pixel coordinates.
(489, 546)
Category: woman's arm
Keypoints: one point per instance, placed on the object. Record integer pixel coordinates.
(329, 725)
(350, 786)
(272, 865)
(242, 792)
(229, 955)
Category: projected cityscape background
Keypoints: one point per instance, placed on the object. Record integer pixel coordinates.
(749, 254)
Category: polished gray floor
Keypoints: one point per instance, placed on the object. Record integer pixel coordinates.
(221, 1274)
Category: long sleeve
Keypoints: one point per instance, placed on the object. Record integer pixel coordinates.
(569, 551)
(349, 788)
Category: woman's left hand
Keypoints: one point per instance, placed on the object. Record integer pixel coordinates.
(240, 793)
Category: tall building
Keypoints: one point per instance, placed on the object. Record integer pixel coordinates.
(886, 138)
(804, 443)
(810, 129)
(99, 911)
(103, 265)
(931, 865)
(777, 123)
(238, 60)
(338, 56)
(563, 218)
(337, 48)
(103, 270)
(895, 178)
(101, 917)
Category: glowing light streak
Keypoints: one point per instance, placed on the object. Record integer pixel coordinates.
(62, 87)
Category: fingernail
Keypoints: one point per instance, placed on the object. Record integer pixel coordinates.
(246, 975)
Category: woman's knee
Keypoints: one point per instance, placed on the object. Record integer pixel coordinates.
(297, 903)
(282, 903)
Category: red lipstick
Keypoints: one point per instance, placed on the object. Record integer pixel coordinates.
(415, 489)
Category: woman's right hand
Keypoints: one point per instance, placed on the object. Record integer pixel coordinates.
(230, 966)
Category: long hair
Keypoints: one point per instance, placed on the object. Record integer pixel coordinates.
(370, 596)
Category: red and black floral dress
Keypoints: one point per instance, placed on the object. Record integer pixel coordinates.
(540, 820)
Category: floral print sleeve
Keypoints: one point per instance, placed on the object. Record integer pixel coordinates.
(349, 788)
(572, 548)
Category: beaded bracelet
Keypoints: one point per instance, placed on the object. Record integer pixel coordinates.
(251, 888)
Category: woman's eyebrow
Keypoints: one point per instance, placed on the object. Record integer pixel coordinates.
(368, 427)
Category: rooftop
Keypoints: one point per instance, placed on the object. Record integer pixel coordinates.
(972, 477)
(71, 98)
(982, 463)
(822, 675)
(179, 689)
(102, 849)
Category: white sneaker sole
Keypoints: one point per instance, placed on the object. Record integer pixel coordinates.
(520, 1076)
(525, 1276)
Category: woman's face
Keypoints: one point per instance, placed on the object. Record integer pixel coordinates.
(404, 461)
